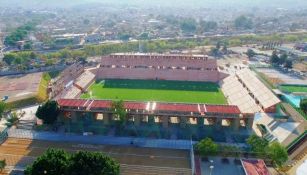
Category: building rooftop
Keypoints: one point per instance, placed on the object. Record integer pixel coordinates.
(254, 167)
(152, 106)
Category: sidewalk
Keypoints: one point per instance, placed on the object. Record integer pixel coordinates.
(96, 139)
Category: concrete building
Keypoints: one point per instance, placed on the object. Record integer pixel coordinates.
(164, 114)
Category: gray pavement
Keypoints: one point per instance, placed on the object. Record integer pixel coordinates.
(97, 139)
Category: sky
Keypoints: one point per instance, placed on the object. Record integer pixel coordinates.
(165, 3)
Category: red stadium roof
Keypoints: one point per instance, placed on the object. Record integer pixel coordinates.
(255, 167)
(180, 107)
(226, 109)
(177, 107)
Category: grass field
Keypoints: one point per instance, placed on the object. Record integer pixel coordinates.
(156, 90)
(293, 88)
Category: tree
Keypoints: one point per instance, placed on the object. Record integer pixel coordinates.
(59, 162)
(258, 145)
(289, 64)
(188, 25)
(12, 119)
(274, 58)
(52, 162)
(9, 58)
(2, 165)
(303, 105)
(250, 53)
(94, 163)
(278, 154)
(2, 108)
(243, 22)
(48, 112)
(207, 147)
(207, 26)
(214, 51)
(283, 58)
(119, 110)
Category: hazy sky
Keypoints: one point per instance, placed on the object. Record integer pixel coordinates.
(167, 3)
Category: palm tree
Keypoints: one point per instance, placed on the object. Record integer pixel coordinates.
(12, 119)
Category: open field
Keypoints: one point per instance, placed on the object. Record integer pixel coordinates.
(157, 90)
(20, 87)
(293, 88)
(133, 160)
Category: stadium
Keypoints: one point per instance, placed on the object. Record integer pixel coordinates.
(165, 96)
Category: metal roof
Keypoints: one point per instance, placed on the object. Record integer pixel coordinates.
(152, 106)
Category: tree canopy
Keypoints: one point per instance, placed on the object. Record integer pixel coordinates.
(277, 153)
(59, 162)
(258, 145)
(303, 105)
(19, 34)
(52, 162)
(250, 53)
(207, 147)
(2, 108)
(207, 26)
(188, 25)
(274, 58)
(93, 163)
(243, 22)
(48, 112)
(119, 110)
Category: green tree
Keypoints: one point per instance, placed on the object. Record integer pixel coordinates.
(303, 105)
(12, 119)
(274, 58)
(207, 26)
(119, 110)
(243, 22)
(207, 147)
(283, 58)
(94, 163)
(9, 58)
(278, 154)
(59, 162)
(27, 46)
(250, 53)
(288, 64)
(48, 112)
(2, 108)
(52, 162)
(188, 25)
(2, 165)
(258, 145)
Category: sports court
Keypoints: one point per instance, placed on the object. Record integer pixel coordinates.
(19, 87)
(133, 160)
(157, 90)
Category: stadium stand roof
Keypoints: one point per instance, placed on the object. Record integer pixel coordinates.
(152, 106)
(254, 167)
(264, 95)
(85, 79)
(236, 94)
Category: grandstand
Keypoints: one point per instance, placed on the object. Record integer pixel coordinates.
(260, 93)
(246, 91)
(64, 80)
(159, 67)
(236, 94)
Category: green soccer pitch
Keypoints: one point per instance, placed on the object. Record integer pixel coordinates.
(156, 90)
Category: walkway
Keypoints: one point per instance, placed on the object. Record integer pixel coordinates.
(105, 140)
